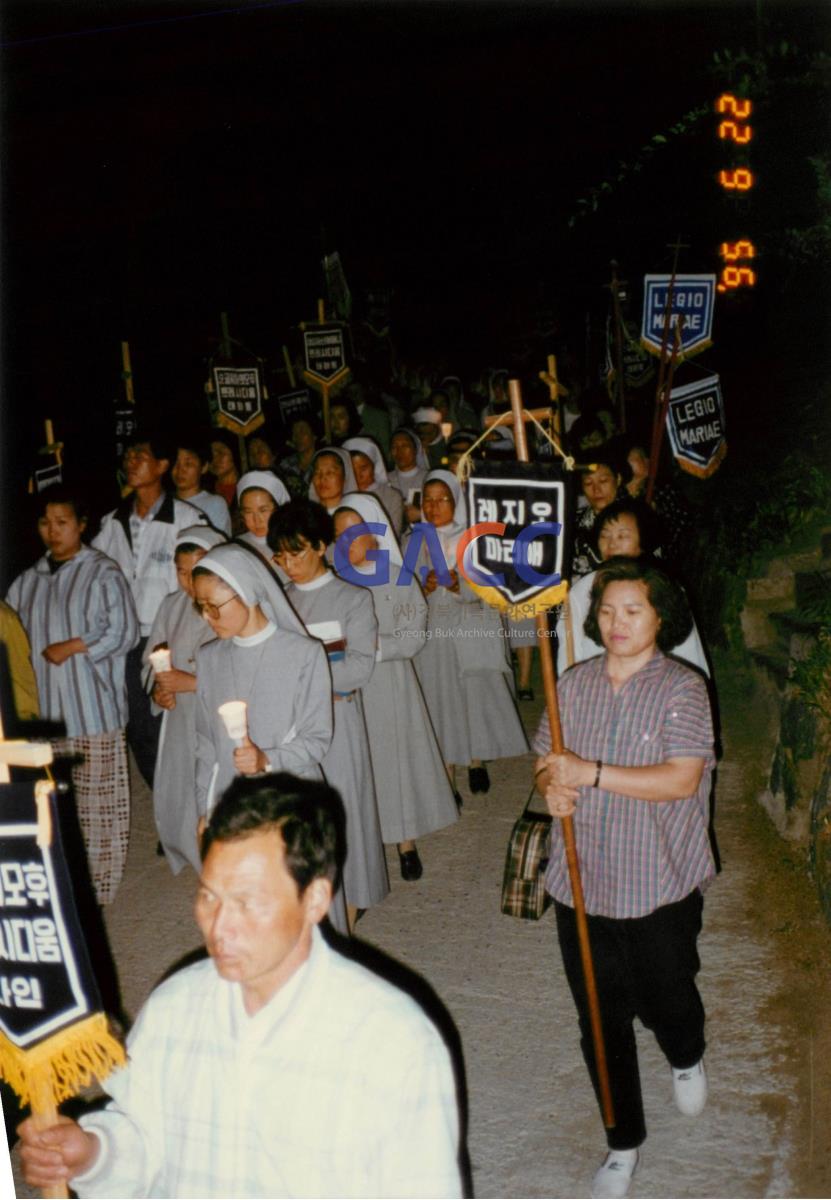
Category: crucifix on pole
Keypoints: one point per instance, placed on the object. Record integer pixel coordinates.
(520, 417)
(556, 391)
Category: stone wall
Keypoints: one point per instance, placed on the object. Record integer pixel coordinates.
(777, 634)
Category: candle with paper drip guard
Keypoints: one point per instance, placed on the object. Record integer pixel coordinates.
(160, 659)
(234, 714)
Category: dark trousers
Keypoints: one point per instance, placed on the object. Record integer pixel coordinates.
(644, 967)
(142, 727)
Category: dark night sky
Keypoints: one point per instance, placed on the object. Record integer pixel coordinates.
(163, 162)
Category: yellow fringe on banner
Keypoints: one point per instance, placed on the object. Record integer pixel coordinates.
(61, 1065)
(525, 608)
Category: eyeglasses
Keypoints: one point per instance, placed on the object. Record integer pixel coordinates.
(209, 610)
(283, 556)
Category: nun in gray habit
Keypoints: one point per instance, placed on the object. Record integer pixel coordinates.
(280, 672)
(464, 670)
(179, 627)
(414, 793)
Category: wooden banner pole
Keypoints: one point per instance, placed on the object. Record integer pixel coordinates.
(327, 420)
(289, 368)
(127, 373)
(553, 708)
(661, 412)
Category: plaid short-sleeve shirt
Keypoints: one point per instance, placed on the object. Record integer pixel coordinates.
(635, 855)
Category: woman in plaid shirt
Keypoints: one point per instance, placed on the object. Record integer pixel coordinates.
(636, 775)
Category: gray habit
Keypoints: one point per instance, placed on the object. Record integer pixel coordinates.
(284, 680)
(347, 764)
(174, 797)
(414, 793)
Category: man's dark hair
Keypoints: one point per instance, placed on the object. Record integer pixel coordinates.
(307, 814)
(300, 521)
(604, 456)
(192, 442)
(161, 444)
(665, 596)
(62, 493)
(648, 525)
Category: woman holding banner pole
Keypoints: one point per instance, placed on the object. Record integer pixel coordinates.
(636, 777)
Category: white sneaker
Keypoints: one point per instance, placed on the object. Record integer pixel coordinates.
(611, 1181)
(690, 1088)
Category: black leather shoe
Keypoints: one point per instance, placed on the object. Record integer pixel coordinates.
(411, 868)
(525, 694)
(478, 779)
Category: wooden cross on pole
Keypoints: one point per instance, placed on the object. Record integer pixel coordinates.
(519, 417)
(556, 391)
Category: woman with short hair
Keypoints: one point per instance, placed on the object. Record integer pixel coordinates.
(76, 607)
(342, 617)
(635, 776)
(624, 528)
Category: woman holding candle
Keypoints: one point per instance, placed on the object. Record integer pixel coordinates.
(181, 631)
(262, 655)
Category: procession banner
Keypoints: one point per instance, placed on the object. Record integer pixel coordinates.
(292, 405)
(693, 297)
(325, 355)
(518, 554)
(238, 399)
(696, 426)
(53, 1037)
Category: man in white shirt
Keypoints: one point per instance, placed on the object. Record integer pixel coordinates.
(277, 1067)
(140, 534)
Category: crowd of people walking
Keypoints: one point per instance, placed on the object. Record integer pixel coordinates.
(227, 622)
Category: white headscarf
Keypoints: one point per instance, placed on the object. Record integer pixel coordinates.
(267, 481)
(370, 509)
(427, 416)
(366, 446)
(450, 481)
(422, 462)
(350, 484)
(245, 572)
(448, 534)
(200, 535)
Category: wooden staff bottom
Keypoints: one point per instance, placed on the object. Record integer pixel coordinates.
(567, 823)
(44, 1117)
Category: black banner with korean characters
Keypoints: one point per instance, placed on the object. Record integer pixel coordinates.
(519, 541)
(53, 1038)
